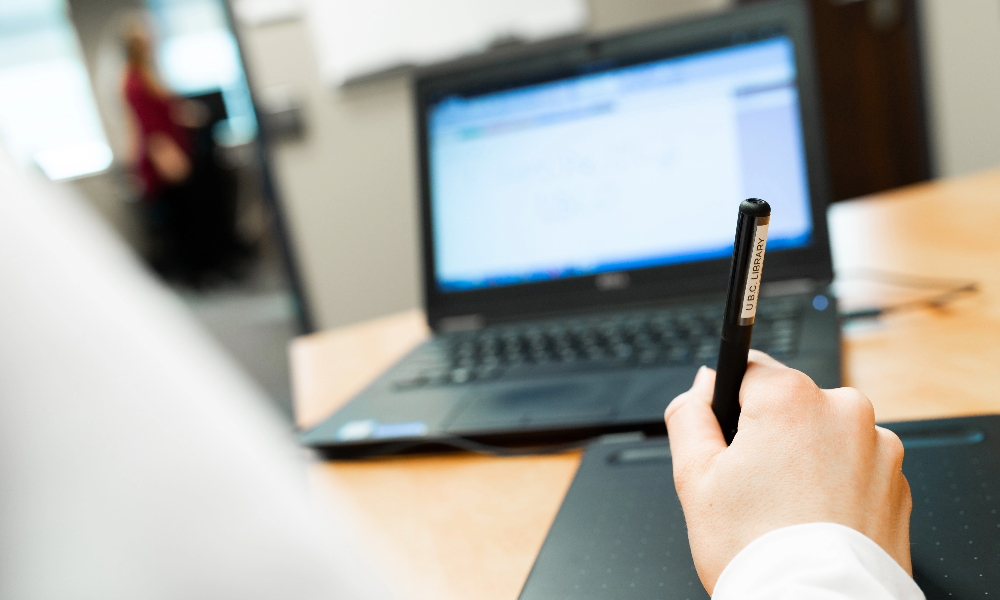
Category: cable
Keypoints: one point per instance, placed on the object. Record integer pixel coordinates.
(952, 289)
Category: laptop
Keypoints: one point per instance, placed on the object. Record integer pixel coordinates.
(620, 532)
(578, 208)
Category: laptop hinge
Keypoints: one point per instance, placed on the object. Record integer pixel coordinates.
(461, 323)
(789, 287)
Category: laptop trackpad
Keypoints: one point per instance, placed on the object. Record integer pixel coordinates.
(561, 401)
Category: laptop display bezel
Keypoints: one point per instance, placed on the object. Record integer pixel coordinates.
(572, 56)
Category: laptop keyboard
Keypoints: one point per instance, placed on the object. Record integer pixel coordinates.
(679, 336)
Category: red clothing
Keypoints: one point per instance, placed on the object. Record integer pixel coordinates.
(152, 112)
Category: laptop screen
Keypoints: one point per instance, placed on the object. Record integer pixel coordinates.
(630, 167)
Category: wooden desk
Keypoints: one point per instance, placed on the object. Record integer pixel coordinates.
(468, 526)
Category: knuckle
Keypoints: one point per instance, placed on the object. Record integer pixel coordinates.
(764, 358)
(781, 389)
(858, 406)
(907, 498)
(796, 384)
(902, 498)
(892, 447)
(904, 488)
(788, 380)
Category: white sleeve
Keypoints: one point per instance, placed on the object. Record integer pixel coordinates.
(137, 461)
(815, 561)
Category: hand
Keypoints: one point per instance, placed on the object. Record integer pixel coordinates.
(189, 113)
(801, 455)
(170, 162)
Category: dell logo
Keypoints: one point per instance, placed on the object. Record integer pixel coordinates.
(611, 281)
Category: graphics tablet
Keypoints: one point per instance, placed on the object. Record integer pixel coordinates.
(620, 532)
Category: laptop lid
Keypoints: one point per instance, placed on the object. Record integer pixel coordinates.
(597, 172)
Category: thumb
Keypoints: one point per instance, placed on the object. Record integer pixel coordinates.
(694, 432)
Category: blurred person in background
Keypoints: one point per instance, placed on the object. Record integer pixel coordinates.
(188, 204)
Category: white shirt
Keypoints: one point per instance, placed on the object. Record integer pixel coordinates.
(137, 461)
(816, 561)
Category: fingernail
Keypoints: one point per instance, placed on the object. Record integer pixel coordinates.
(701, 378)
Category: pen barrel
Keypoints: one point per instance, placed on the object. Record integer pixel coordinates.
(729, 377)
(741, 309)
(746, 269)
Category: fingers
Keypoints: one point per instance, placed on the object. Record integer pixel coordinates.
(890, 461)
(761, 358)
(890, 449)
(760, 367)
(693, 430)
(694, 433)
(855, 408)
(769, 385)
(702, 388)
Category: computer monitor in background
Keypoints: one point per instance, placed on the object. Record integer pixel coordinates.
(578, 176)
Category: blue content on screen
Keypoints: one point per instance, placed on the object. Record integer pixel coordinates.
(723, 252)
(629, 168)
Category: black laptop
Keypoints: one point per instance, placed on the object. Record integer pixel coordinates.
(578, 208)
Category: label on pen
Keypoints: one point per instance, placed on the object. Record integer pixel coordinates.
(751, 293)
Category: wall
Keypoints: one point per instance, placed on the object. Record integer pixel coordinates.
(349, 187)
(962, 58)
(109, 192)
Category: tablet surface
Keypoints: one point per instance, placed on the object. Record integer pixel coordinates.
(620, 532)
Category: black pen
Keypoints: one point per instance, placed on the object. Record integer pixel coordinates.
(741, 308)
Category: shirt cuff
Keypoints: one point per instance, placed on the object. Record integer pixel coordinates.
(815, 560)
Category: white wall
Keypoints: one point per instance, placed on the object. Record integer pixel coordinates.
(350, 186)
(612, 15)
(962, 67)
